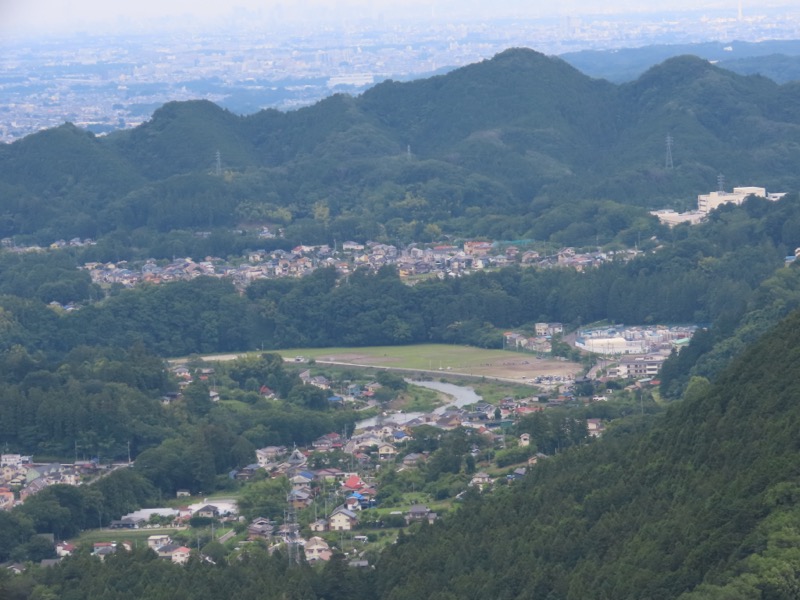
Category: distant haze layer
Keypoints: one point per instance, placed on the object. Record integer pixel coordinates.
(38, 17)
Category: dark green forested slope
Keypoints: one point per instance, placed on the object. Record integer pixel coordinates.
(512, 147)
(700, 502)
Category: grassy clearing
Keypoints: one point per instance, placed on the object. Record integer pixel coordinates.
(429, 359)
(418, 399)
(419, 356)
(494, 391)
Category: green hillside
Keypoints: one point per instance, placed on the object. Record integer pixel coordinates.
(508, 148)
(699, 503)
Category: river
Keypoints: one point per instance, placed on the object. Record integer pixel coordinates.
(461, 395)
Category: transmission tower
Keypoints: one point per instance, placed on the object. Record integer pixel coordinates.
(218, 164)
(721, 183)
(292, 533)
(668, 163)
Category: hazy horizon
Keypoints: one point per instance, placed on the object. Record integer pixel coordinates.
(42, 18)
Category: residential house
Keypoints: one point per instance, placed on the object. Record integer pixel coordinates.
(342, 519)
(353, 483)
(400, 436)
(34, 487)
(180, 555)
(154, 542)
(319, 525)
(6, 498)
(317, 549)
(329, 475)
(363, 442)
(480, 480)
(209, 511)
(260, 528)
(296, 459)
(65, 549)
(167, 551)
(548, 329)
(246, 473)
(536, 458)
(103, 549)
(386, 452)
(477, 248)
(418, 513)
(595, 427)
(127, 523)
(411, 460)
(525, 440)
(367, 496)
(268, 455)
(518, 473)
(303, 479)
(321, 382)
(300, 498)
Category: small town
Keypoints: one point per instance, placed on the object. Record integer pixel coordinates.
(414, 262)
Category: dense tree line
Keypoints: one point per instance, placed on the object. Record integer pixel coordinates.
(100, 402)
(141, 574)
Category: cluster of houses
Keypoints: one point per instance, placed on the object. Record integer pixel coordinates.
(381, 443)
(540, 343)
(441, 260)
(350, 393)
(9, 244)
(161, 544)
(18, 473)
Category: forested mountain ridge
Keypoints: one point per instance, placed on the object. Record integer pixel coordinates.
(698, 504)
(507, 148)
(777, 59)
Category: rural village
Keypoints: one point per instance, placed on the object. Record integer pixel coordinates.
(334, 483)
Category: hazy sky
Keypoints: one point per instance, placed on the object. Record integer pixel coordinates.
(34, 17)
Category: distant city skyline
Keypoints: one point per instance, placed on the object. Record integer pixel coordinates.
(35, 18)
